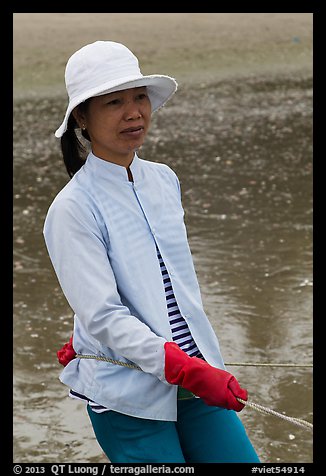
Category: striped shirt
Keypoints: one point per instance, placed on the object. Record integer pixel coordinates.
(180, 331)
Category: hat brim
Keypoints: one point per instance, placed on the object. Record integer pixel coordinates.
(160, 88)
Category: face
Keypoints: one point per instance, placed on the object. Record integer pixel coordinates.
(117, 123)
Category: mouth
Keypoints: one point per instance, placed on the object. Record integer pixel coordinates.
(133, 130)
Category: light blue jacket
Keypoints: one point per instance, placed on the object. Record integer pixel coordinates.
(100, 233)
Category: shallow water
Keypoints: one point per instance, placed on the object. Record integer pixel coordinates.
(243, 153)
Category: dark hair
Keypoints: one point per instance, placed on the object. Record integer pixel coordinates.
(73, 151)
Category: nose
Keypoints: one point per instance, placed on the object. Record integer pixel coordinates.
(132, 111)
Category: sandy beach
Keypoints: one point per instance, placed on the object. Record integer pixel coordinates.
(192, 47)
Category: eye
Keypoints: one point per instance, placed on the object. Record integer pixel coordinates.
(142, 96)
(114, 102)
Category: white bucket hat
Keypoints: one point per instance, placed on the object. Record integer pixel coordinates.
(105, 66)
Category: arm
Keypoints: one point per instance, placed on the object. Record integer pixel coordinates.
(79, 257)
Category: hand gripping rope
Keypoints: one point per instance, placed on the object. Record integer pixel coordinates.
(248, 403)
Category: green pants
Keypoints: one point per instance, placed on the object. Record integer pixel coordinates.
(202, 434)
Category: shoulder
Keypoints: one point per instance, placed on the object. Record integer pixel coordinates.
(72, 203)
(157, 166)
(162, 171)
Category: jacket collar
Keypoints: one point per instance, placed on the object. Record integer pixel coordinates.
(111, 170)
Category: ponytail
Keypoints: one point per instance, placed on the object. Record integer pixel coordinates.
(73, 151)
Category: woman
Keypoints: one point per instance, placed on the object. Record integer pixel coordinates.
(147, 360)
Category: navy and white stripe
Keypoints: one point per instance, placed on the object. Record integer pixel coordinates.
(180, 331)
(95, 406)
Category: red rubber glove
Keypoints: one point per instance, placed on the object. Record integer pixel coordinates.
(215, 386)
(66, 354)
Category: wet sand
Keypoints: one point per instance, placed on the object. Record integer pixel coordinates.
(192, 47)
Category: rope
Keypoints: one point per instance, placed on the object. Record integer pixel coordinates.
(248, 403)
(238, 364)
(267, 364)
(269, 411)
(106, 359)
